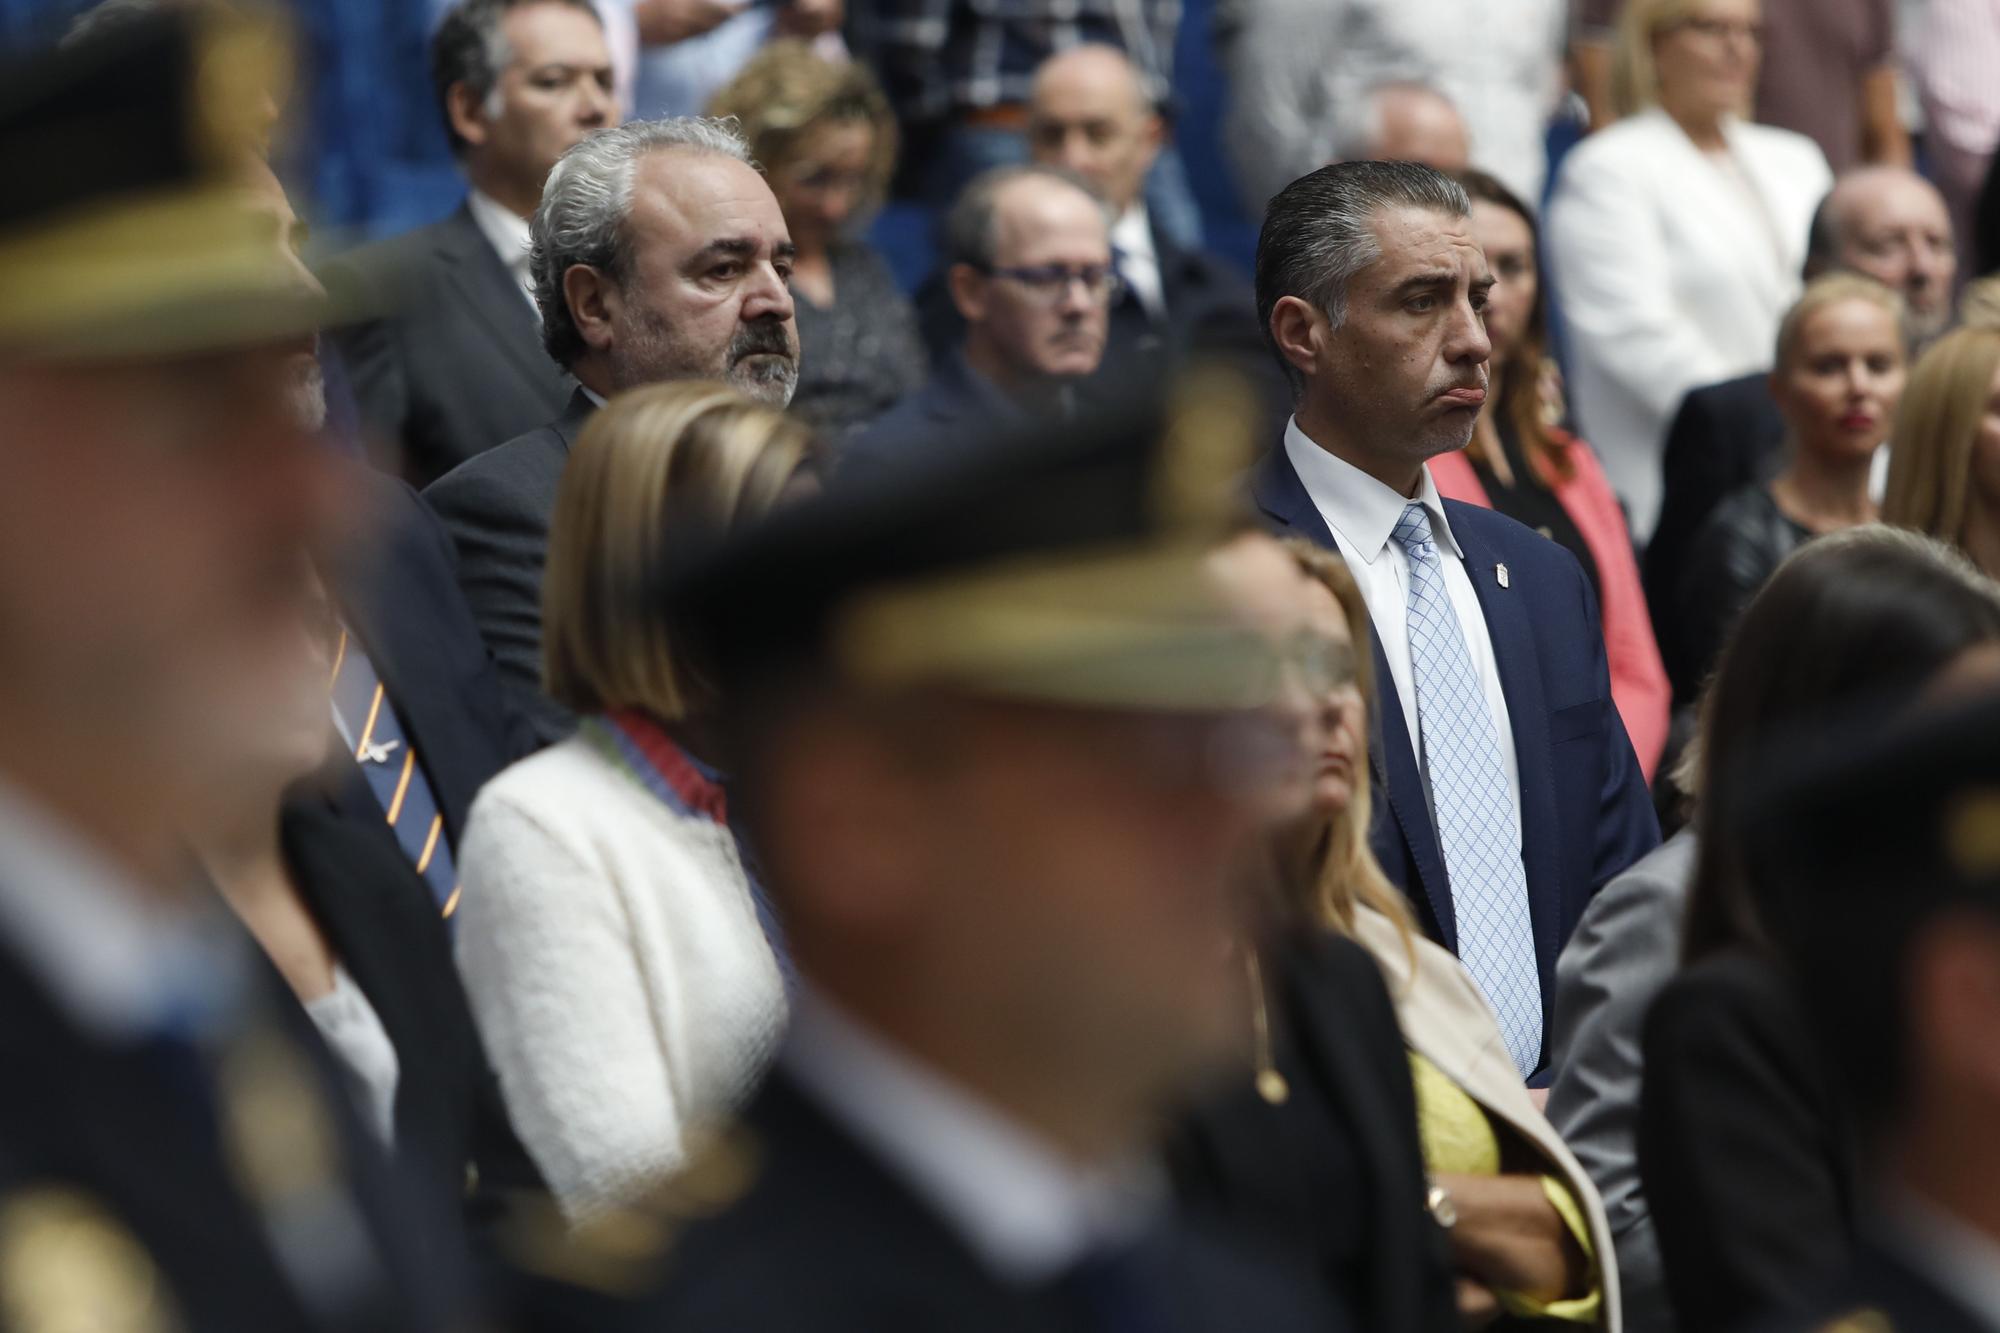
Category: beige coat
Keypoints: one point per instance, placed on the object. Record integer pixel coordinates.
(1446, 1020)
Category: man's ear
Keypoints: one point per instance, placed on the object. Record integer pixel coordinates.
(594, 302)
(467, 113)
(968, 292)
(1155, 137)
(1300, 333)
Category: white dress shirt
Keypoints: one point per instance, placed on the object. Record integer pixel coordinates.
(1961, 1260)
(1139, 262)
(1363, 513)
(507, 232)
(1027, 1211)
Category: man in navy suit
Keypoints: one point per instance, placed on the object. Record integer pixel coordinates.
(1511, 791)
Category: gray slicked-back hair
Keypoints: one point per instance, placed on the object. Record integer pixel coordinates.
(1319, 232)
(581, 219)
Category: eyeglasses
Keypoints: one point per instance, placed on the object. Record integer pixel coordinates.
(1716, 30)
(1051, 282)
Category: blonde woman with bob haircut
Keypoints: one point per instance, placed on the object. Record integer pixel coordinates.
(1676, 236)
(620, 960)
(1944, 473)
(1528, 1235)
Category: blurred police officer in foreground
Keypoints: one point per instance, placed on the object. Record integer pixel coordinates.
(992, 734)
(1888, 862)
(174, 1151)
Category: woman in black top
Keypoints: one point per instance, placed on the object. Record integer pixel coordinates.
(1747, 1159)
(827, 141)
(1838, 378)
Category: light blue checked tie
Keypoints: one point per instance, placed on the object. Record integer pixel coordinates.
(1461, 753)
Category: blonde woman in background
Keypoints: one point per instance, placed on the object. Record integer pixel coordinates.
(622, 965)
(1944, 473)
(1839, 376)
(1677, 235)
(824, 134)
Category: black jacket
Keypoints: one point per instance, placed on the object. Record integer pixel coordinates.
(497, 509)
(1724, 437)
(1334, 1177)
(826, 1239)
(1748, 1164)
(455, 365)
(1882, 1293)
(1741, 545)
(395, 578)
(452, 1131)
(109, 1133)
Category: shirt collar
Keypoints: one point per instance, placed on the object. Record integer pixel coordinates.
(123, 963)
(1963, 1261)
(1026, 1210)
(1356, 505)
(504, 229)
(1133, 234)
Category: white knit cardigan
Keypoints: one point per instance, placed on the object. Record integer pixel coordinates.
(622, 983)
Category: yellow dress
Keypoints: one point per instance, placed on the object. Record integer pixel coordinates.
(1459, 1140)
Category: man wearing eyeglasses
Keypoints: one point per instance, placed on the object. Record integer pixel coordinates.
(1030, 272)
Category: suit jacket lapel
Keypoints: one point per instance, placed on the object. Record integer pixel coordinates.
(1278, 492)
(576, 415)
(489, 291)
(1527, 711)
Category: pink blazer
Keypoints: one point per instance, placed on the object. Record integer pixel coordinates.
(1638, 678)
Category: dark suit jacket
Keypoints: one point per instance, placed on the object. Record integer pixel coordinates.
(1748, 1166)
(1585, 812)
(99, 1123)
(955, 406)
(452, 1130)
(497, 508)
(457, 365)
(395, 577)
(1883, 1294)
(1724, 437)
(829, 1240)
(1335, 1175)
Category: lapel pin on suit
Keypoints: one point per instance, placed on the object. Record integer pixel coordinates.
(1500, 573)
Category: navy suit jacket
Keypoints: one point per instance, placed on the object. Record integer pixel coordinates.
(1585, 812)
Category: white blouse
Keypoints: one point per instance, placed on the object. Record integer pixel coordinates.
(353, 1031)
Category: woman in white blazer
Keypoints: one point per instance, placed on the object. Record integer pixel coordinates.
(621, 963)
(1677, 235)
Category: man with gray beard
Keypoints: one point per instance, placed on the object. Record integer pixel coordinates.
(659, 253)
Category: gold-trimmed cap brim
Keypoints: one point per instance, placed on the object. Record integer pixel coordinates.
(1134, 629)
(178, 274)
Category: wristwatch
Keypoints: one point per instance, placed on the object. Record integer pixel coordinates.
(1438, 1203)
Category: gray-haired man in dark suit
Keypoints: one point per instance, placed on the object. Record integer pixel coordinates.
(659, 254)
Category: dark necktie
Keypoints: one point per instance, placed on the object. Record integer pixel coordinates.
(369, 721)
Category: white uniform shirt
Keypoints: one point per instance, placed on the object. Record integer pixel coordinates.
(507, 232)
